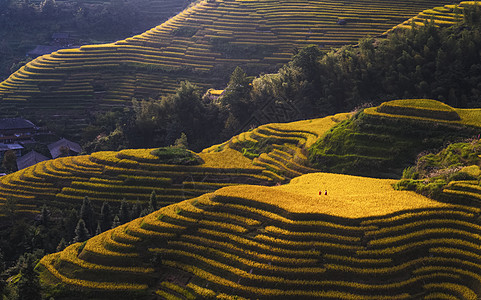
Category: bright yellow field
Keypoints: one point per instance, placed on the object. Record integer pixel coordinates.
(227, 158)
(316, 126)
(348, 196)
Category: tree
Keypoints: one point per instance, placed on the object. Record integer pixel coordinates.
(61, 245)
(124, 215)
(182, 141)
(153, 202)
(45, 215)
(28, 286)
(136, 210)
(9, 162)
(308, 60)
(81, 232)
(49, 8)
(99, 229)
(236, 96)
(2, 269)
(64, 151)
(116, 222)
(105, 216)
(87, 214)
(70, 224)
(10, 208)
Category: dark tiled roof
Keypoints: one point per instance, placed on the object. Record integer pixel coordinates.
(6, 147)
(55, 148)
(15, 123)
(30, 159)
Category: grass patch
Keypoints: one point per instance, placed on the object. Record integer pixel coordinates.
(177, 156)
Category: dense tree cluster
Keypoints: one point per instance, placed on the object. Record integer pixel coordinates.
(23, 240)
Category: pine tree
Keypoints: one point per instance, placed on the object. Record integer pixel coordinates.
(70, 224)
(61, 245)
(28, 286)
(135, 211)
(81, 232)
(99, 229)
(153, 202)
(116, 222)
(124, 215)
(45, 215)
(87, 214)
(2, 269)
(105, 216)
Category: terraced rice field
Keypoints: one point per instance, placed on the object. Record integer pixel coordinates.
(427, 110)
(441, 16)
(134, 174)
(281, 148)
(366, 241)
(194, 45)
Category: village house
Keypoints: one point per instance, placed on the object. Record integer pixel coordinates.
(30, 159)
(64, 147)
(17, 130)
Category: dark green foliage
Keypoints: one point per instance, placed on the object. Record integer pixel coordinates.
(116, 221)
(185, 31)
(182, 142)
(98, 230)
(153, 202)
(61, 245)
(135, 210)
(45, 215)
(10, 208)
(124, 215)
(70, 224)
(87, 214)
(176, 156)
(2, 269)
(378, 146)
(28, 286)
(105, 216)
(236, 98)
(432, 172)
(9, 162)
(81, 232)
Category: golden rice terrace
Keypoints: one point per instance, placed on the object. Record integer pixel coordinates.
(133, 174)
(362, 240)
(209, 38)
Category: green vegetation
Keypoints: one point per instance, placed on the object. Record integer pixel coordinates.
(374, 144)
(451, 175)
(424, 108)
(177, 156)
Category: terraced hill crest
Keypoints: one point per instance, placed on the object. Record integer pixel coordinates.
(202, 44)
(382, 141)
(134, 174)
(260, 242)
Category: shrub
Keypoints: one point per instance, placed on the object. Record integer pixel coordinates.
(177, 156)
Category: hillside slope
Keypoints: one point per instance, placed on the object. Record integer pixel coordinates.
(201, 44)
(134, 174)
(382, 141)
(365, 241)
